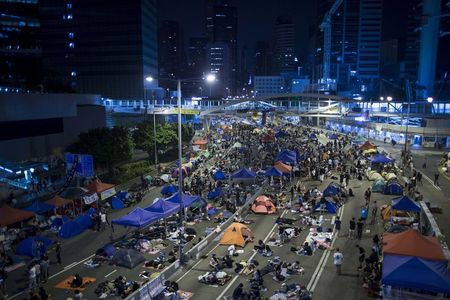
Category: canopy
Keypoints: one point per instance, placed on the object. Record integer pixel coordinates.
(393, 188)
(367, 145)
(219, 175)
(200, 142)
(332, 136)
(413, 243)
(405, 204)
(187, 199)
(138, 217)
(235, 234)
(10, 215)
(163, 207)
(263, 205)
(77, 226)
(39, 207)
(313, 136)
(244, 174)
(34, 246)
(168, 190)
(415, 273)
(128, 258)
(330, 206)
(280, 166)
(116, 203)
(215, 193)
(378, 186)
(332, 190)
(98, 187)
(381, 159)
(273, 172)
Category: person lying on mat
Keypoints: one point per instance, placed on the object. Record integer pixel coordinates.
(77, 281)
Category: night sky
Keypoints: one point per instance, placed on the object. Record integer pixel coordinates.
(256, 18)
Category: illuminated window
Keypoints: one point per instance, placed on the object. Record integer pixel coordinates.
(69, 17)
(69, 5)
(71, 45)
(71, 35)
(73, 73)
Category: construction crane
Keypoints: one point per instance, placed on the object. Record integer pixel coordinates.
(325, 27)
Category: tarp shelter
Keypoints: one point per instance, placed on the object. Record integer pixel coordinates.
(10, 215)
(416, 273)
(243, 174)
(331, 190)
(187, 199)
(329, 206)
(58, 201)
(104, 190)
(286, 158)
(412, 243)
(273, 172)
(202, 144)
(39, 207)
(378, 186)
(128, 258)
(163, 207)
(215, 193)
(138, 217)
(168, 190)
(381, 159)
(313, 136)
(77, 226)
(263, 205)
(332, 136)
(123, 195)
(285, 169)
(392, 187)
(404, 203)
(219, 175)
(107, 250)
(34, 246)
(236, 234)
(116, 203)
(367, 145)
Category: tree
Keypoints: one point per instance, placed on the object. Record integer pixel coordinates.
(187, 132)
(143, 136)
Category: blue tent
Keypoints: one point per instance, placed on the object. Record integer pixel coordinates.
(187, 199)
(70, 229)
(109, 250)
(313, 136)
(405, 204)
(393, 188)
(34, 246)
(163, 207)
(219, 175)
(380, 159)
(331, 208)
(116, 203)
(332, 136)
(273, 172)
(286, 158)
(244, 174)
(410, 272)
(138, 217)
(39, 207)
(378, 186)
(281, 134)
(122, 195)
(169, 190)
(332, 190)
(215, 193)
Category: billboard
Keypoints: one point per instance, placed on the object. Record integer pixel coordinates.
(85, 165)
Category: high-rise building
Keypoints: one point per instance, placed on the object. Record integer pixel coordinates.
(101, 47)
(171, 61)
(263, 59)
(285, 54)
(197, 56)
(20, 55)
(219, 62)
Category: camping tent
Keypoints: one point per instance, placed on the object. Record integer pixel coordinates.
(313, 136)
(215, 193)
(392, 187)
(138, 217)
(236, 234)
(332, 136)
(219, 175)
(10, 215)
(58, 201)
(168, 190)
(34, 246)
(273, 172)
(330, 206)
(405, 204)
(128, 258)
(374, 175)
(163, 207)
(381, 159)
(243, 174)
(202, 144)
(263, 205)
(331, 190)
(39, 207)
(367, 145)
(77, 226)
(416, 273)
(187, 199)
(116, 203)
(285, 169)
(412, 243)
(378, 186)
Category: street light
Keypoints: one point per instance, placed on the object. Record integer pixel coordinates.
(389, 98)
(149, 79)
(381, 98)
(429, 99)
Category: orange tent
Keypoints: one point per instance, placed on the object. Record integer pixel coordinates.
(367, 145)
(412, 243)
(59, 201)
(269, 138)
(10, 215)
(283, 167)
(98, 187)
(263, 205)
(236, 234)
(202, 144)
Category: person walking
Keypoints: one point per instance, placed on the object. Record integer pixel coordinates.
(37, 268)
(359, 228)
(337, 225)
(58, 252)
(338, 257)
(45, 266)
(32, 278)
(436, 179)
(351, 230)
(362, 255)
(374, 212)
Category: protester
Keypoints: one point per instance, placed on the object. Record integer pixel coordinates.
(338, 259)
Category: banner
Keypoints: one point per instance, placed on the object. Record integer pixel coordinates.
(90, 198)
(108, 193)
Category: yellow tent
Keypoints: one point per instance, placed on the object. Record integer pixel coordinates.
(370, 151)
(236, 234)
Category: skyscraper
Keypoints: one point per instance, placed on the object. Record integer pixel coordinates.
(219, 62)
(20, 55)
(171, 61)
(285, 54)
(101, 47)
(263, 59)
(197, 56)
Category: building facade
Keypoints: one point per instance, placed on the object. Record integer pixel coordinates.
(268, 85)
(285, 54)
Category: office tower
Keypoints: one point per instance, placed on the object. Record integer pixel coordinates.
(101, 47)
(197, 56)
(285, 55)
(219, 62)
(20, 55)
(263, 59)
(171, 60)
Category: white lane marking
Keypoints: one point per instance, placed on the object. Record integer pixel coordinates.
(69, 266)
(251, 257)
(73, 265)
(16, 295)
(111, 273)
(431, 181)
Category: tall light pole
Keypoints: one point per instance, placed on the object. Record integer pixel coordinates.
(154, 138)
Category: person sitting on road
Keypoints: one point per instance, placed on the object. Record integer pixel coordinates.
(77, 281)
(227, 261)
(307, 249)
(260, 247)
(238, 293)
(214, 263)
(267, 252)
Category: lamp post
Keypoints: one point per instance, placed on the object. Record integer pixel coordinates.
(150, 79)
